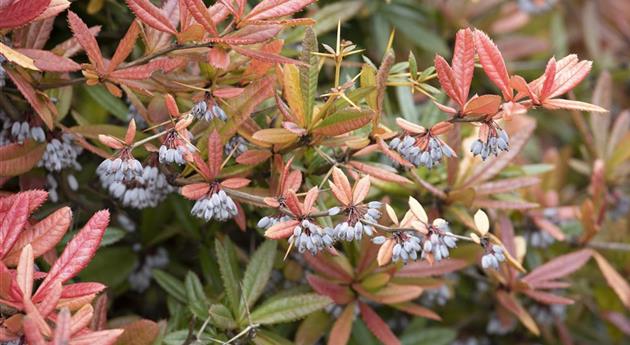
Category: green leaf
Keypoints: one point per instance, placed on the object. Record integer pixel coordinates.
(361, 335)
(313, 328)
(229, 273)
(413, 66)
(108, 101)
(344, 121)
(111, 266)
(258, 272)
(269, 338)
(63, 95)
(197, 300)
(310, 73)
(112, 235)
(368, 79)
(328, 17)
(428, 336)
(221, 317)
(170, 284)
(289, 309)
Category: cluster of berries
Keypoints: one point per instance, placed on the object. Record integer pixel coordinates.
(237, 145)
(496, 141)
(147, 190)
(140, 279)
(494, 254)
(174, 149)
(61, 153)
(216, 205)
(208, 110)
(19, 131)
(310, 236)
(425, 151)
(354, 228)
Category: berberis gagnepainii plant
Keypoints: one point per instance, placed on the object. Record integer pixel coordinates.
(297, 144)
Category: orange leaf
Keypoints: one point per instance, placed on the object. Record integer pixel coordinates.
(559, 267)
(235, 182)
(340, 332)
(492, 63)
(464, 61)
(414, 309)
(126, 44)
(614, 279)
(379, 173)
(447, 80)
(340, 294)
(47, 61)
(377, 326)
(201, 14)
(87, 41)
(253, 157)
(550, 75)
(16, 159)
(483, 105)
(557, 103)
(265, 56)
(510, 303)
(270, 9)
(195, 191)
(341, 182)
(145, 71)
(361, 190)
(215, 154)
(281, 230)
(151, 15)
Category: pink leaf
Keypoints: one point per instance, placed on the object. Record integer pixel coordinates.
(326, 266)
(464, 61)
(235, 182)
(559, 267)
(62, 332)
(81, 289)
(145, 71)
(86, 40)
(19, 13)
(215, 154)
(253, 157)
(265, 57)
(269, 9)
(195, 191)
(377, 326)
(151, 15)
(492, 63)
(249, 35)
(41, 104)
(42, 236)
(558, 103)
(547, 298)
(201, 14)
(421, 269)
(338, 293)
(447, 80)
(47, 61)
(77, 254)
(12, 223)
(125, 47)
(550, 75)
(31, 331)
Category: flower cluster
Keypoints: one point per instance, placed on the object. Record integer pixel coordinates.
(493, 256)
(140, 279)
(52, 185)
(437, 240)
(208, 110)
(422, 147)
(237, 145)
(145, 190)
(124, 169)
(491, 141)
(308, 235)
(61, 153)
(19, 131)
(268, 221)
(215, 205)
(175, 149)
(406, 245)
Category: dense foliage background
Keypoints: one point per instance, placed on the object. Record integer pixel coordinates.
(163, 264)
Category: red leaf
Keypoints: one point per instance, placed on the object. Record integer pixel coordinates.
(569, 73)
(414, 309)
(447, 80)
(49, 304)
(31, 331)
(281, 230)
(235, 182)
(253, 157)
(77, 254)
(379, 173)
(265, 57)
(151, 15)
(550, 75)
(559, 267)
(269, 9)
(464, 61)
(81, 289)
(125, 47)
(12, 223)
(47, 61)
(201, 15)
(228, 92)
(35, 199)
(33, 36)
(42, 236)
(421, 269)
(340, 332)
(492, 63)
(86, 40)
(249, 35)
(218, 58)
(195, 191)
(215, 154)
(325, 265)
(46, 111)
(19, 13)
(145, 71)
(338, 293)
(547, 298)
(377, 326)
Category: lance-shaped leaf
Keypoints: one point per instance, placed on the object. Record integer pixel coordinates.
(125, 47)
(340, 294)
(328, 267)
(309, 73)
(377, 326)
(381, 84)
(107, 337)
(269, 9)
(87, 41)
(493, 63)
(340, 332)
(34, 36)
(463, 63)
(42, 106)
(215, 154)
(343, 121)
(47, 61)
(42, 236)
(447, 80)
(145, 71)
(258, 272)
(229, 273)
(289, 309)
(275, 136)
(558, 103)
(77, 254)
(265, 56)
(380, 172)
(151, 15)
(614, 279)
(253, 157)
(18, 13)
(12, 222)
(17, 159)
(512, 304)
(17, 57)
(559, 267)
(24, 275)
(201, 14)
(249, 35)
(422, 269)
